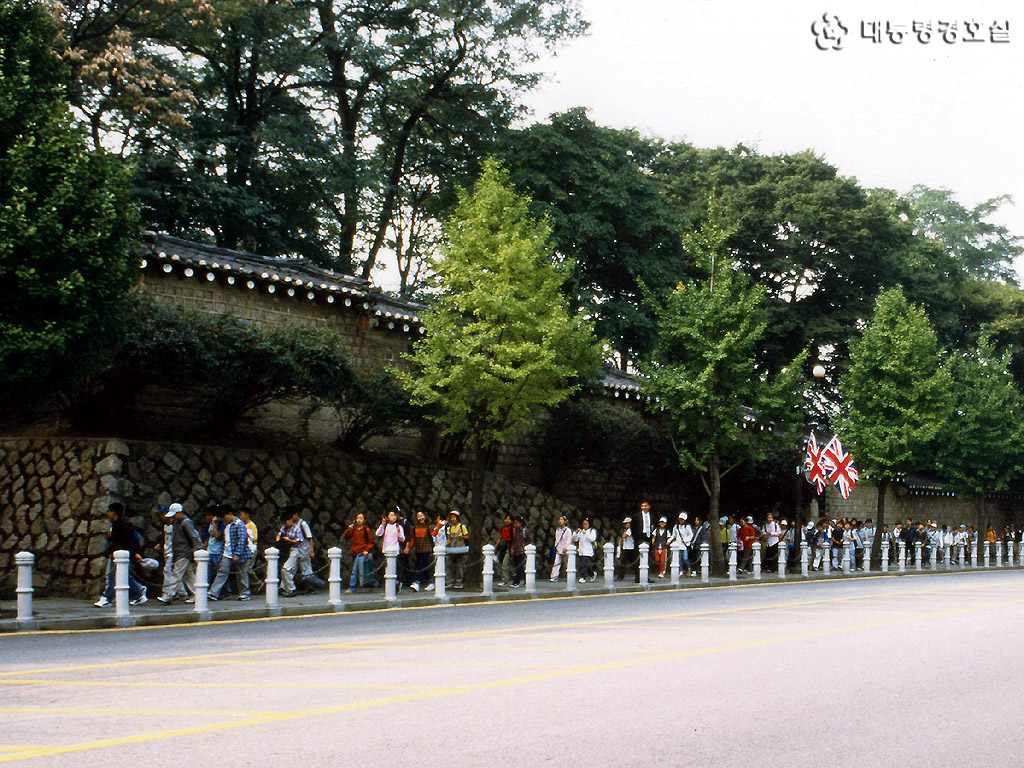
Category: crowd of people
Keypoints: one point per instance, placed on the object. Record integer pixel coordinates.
(230, 536)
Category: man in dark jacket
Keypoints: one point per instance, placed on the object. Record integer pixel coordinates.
(121, 536)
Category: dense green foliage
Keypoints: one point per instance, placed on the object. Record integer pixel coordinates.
(607, 216)
(67, 223)
(724, 406)
(980, 447)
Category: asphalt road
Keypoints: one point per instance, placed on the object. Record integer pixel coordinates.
(919, 670)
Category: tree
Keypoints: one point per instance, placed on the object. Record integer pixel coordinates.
(980, 447)
(607, 216)
(725, 408)
(820, 244)
(896, 395)
(397, 75)
(499, 343)
(67, 222)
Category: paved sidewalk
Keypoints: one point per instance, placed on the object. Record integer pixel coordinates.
(64, 614)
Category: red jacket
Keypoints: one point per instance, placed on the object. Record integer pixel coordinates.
(362, 539)
(748, 535)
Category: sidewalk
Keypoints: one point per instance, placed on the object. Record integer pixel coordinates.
(65, 614)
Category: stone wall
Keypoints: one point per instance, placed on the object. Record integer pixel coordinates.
(944, 509)
(54, 494)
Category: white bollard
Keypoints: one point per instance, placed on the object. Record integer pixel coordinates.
(439, 587)
(732, 561)
(488, 585)
(935, 557)
(121, 560)
(903, 556)
(804, 560)
(675, 549)
(531, 569)
(202, 605)
(918, 555)
(570, 569)
(987, 555)
(24, 590)
(1020, 552)
(827, 560)
(961, 555)
(999, 554)
(783, 557)
(334, 579)
(272, 555)
(974, 554)
(609, 566)
(390, 576)
(757, 559)
(847, 557)
(1009, 553)
(866, 557)
(885, 557)
(949, 555)
(645, 564)
(705, 562)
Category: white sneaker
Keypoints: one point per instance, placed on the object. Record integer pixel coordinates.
(552, 580)
(139, 600)
(102, 603)
(430, 587)
(582, 580)
(415, 587)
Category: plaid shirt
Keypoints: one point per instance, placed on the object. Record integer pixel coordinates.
(236, 539)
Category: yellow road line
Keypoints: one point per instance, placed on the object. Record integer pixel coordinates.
(142, 712)
(398, 641)
(474, 687)
(258, 686)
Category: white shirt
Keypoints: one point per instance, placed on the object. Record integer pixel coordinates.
(586, 540)
(683, 534)
(772, 530)
(645, 521)
(563, 536)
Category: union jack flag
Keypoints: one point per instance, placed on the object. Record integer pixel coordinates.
(839, 466)
(812, 464)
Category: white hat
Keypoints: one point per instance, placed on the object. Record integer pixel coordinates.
(784, 523)
(455, 512)
(810, 526)
(663, 520)
(750, 519)
(172, 510)
(682, 515)
(627, 519)
(722, 520)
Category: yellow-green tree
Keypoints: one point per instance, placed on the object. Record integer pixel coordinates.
(500, 344)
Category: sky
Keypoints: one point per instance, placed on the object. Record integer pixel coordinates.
(891, 115)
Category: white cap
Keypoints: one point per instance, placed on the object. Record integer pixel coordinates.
(682, 515)
(173, 510)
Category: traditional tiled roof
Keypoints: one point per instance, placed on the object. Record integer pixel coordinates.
(299, 278)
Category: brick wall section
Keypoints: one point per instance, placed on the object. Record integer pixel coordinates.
(366, 349)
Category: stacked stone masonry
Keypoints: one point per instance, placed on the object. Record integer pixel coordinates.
(54, 494)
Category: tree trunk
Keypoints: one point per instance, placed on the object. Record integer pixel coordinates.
(876, 545)
(715, 486)
(474, 572)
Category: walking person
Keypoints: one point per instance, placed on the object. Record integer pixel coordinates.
(502, 557)
(253, 535)
(235, 558)
(457, 547)
(361, 549)
(585, 538)
(420, 546)
(391, 534)
(517, 549)
(121, 536)
(290, 534)
(659, 546)
(773, 533)
(682, 534)
(184, 542)
(563, 538)
(627, 551)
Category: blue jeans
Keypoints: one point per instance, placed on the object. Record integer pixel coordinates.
(423, 561)
(135, 590)
(362, 571)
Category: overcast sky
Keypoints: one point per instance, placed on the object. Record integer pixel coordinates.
(721, 73)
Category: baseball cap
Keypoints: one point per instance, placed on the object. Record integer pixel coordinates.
(172, 510)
